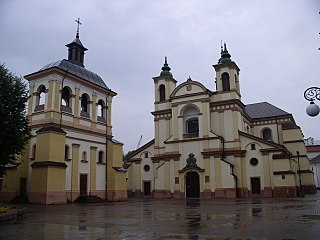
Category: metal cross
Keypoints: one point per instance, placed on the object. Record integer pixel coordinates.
(79, 23)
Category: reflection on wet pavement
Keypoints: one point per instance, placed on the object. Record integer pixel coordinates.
(172, 219)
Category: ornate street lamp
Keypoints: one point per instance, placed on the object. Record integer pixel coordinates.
(311, 94)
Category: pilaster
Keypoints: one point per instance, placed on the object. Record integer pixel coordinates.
(93, 167)
(56, 104)
(50, 94)
(31, 99)
(75, 167)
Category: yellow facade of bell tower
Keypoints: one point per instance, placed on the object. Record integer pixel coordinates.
(72, 153)
(49, 168)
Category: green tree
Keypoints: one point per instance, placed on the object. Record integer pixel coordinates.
(15, 132)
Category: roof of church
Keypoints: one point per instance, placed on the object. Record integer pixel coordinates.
(78, 71)
(264, 110)
(316, 159)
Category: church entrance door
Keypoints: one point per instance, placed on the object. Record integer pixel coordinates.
(83, 184)
(192, 185)
(255, 185)
(147, 188)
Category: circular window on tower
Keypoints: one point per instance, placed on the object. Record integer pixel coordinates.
(146, 168)
(254, 162)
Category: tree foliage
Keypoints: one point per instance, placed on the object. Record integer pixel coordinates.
(15, 132)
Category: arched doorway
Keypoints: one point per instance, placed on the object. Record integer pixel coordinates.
(192, 185)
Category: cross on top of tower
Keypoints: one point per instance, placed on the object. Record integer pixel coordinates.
(79, 23)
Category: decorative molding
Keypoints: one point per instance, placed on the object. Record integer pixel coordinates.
(283, 172)
(45, 164)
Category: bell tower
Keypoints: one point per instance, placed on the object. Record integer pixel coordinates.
(227, 76)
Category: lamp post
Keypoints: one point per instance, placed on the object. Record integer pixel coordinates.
(311, 94)
(301, 193)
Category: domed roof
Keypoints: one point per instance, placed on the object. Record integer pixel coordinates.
(76, 70)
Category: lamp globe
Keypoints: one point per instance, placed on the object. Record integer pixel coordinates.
(313, 109)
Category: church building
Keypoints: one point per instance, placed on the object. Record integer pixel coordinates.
(209, 144)
(71, 152)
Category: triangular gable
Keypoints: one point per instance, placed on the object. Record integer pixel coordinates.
(267, 145)
(135, 154)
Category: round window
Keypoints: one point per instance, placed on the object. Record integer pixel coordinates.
(254, 162)
(146, 168)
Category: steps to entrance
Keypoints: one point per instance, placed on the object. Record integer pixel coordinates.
(89, 199)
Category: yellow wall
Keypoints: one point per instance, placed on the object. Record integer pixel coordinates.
(50, 146)
(115, 180)
(11, 180)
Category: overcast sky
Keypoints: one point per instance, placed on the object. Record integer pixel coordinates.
(274, 42)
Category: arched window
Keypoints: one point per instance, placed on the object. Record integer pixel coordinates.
(191, 122)
(162, 90)
(42, 95)
(33, 153)
(84, 156)
(40, 98)
(66, 152)
(85, 105)
(267, 134)
(225, 81)
(66, 100)
(101, 109)
(100, 157)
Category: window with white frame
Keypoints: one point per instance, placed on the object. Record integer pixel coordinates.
(191, 122)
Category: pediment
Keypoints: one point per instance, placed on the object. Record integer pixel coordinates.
(189, 88)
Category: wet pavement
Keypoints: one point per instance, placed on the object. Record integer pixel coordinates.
(296, 218)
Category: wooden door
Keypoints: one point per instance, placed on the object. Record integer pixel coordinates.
(192, 185)
(83, 184)
(147, 188)
(255, 185)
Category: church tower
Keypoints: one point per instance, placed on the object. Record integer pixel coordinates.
(227, 76)
(163, 87)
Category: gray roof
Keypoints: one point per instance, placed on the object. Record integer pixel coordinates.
(78, 71)
(78, 42)
(264, 110)
(316, 159)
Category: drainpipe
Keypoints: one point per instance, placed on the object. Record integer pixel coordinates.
(301, 193)
(106, 118)
(230, 164)
(154, 178)
(61, 98)
(60, 126)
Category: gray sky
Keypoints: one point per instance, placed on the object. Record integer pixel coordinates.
(273, 42)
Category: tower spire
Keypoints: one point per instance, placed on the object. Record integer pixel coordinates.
(225, 55)
(165, 69)
(76, 49)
